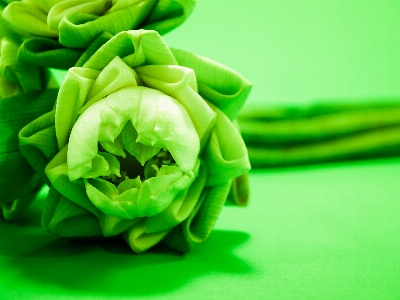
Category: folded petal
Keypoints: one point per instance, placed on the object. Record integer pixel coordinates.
(225, 154)
(135, 47)
(27, 19)
(64, 8)
(114, 76)
(79, 29)
(71, 98)
(139, 240)
(65, 218)
(48, 53)
(168, 14)
(224, 87)
(57, 174)
(180, 208)
(180, 83)
(198, 226)
(25, 75)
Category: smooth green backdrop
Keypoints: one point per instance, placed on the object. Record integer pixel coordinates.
(314, 232)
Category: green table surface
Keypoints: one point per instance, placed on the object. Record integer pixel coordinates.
(314, 232)
(320, 232)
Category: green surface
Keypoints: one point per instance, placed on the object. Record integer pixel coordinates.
(318, 232)
(327, 232)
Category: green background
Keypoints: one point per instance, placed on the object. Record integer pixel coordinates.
(314, 232)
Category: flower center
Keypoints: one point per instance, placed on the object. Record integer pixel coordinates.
(153, 165)
(131, 168)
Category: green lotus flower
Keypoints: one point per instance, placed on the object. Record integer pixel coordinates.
(60, 30)
(21, 101)
(146, 144)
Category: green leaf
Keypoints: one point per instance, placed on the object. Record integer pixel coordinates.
(223, 87)
(49, 53)
(79, 29)
(111, 225)
(135, 47)
(139, 240)
(27, 20)
(99, 41)
(66, 219)
(37, 142)
(71, 98)
(198, 226)
(18, 111)
(73, 7)
(225, 154)
(28, 76)
(57, 174)
(17, 176)
(239, 193)
(14, 210)
(18, 179)
(168, 14)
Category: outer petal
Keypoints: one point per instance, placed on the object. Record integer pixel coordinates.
(114, 76)
(17, 176)
(135, 47)
(29, 77)
(197, 227)
(79, 29)
(48, 53)
(180, 83)
(67, 219)
(168, 14)
(57, 173)
(64, 8)
(225, 88)
(27, 19)
(37, 142)
(139, 241)
(180, 208)
(72, 96)
(225, 154)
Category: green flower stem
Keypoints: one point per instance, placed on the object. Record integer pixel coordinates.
(283, 137)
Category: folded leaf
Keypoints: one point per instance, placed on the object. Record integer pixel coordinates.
(225, 154)
(76, 24)
(223, 87)
(28, 76)
(168, 14)
(79, 29)
(66, 219)
(37, 142)
(135, 47)
(17, 176)
(180, 83)
(48, 53)
(198, 226)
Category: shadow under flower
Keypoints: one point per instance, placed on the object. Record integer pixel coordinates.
(108, 267)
